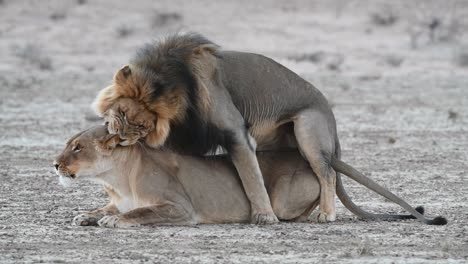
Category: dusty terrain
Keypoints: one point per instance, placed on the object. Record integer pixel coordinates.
(401, 109)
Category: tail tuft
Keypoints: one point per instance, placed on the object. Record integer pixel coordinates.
(439, 220)
(420, 209)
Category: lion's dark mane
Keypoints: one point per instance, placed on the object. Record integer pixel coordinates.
(166, 64)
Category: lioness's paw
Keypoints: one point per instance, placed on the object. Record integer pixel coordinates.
(264, 219)
(116, 221)
(109, 221)
(85, 220)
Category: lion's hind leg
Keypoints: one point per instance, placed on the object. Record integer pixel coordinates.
(316, 143)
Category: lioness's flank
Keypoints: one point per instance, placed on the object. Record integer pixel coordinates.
(158, 186)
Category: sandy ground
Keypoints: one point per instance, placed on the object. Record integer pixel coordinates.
(402, 115)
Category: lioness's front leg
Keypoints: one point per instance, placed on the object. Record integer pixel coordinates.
(168, 213)
(92, 218)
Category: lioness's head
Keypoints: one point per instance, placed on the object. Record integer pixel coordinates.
(86, 154)
(130, 119)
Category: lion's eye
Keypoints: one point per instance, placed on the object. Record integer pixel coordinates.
(76, 148)
(140, 126)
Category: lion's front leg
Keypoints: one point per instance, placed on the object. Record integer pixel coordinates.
(245, 160)
(92, 218)
(168, 213)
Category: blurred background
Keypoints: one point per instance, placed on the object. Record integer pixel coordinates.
(56, 55)
(395, 72)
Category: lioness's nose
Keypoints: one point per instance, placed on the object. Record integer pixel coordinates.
(56, 165)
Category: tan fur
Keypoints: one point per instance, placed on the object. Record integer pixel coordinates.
(148, 186)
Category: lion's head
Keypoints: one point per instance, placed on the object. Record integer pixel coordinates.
(131, 120)
(157, 89)
(86, 154)
(133, 111)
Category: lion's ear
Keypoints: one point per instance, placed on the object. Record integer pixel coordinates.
(209, 48)
(158, 136)
(107, 144)
(123, 74)
(104, 100)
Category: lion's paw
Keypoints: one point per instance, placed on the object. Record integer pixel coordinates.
(85, 220)
(264, 219)
(324, 217)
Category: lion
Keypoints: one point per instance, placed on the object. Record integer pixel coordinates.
(160, 186)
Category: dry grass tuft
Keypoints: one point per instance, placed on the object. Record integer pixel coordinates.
(58, 15)
(166, 19)
(385, 17)
(461, 56)
(124, 31)
(452, 115)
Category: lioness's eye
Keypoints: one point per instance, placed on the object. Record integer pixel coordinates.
(141, 127)
(76, 148)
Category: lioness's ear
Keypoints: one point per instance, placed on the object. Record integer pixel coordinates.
(210, 48)
(104, 100)
(158, 136)
(107, 144)
(122, 75)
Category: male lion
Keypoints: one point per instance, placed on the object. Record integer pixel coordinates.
(159, 186)
(188, 95)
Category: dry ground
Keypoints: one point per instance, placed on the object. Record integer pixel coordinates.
(402, 116)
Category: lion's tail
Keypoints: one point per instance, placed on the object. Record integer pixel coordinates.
(352, 173)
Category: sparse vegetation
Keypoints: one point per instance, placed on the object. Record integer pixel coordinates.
(31, 53)
(166, 19)
(386, 16)
(435, 23)
(452, 115)
(124, 31)
(58, 15)
(394, 60)
(334, 62)
(370, 77)
(461, 56)
(314, 57)
(329, 60)
(345, 86)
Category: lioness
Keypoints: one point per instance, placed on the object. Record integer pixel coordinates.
(158, 186)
